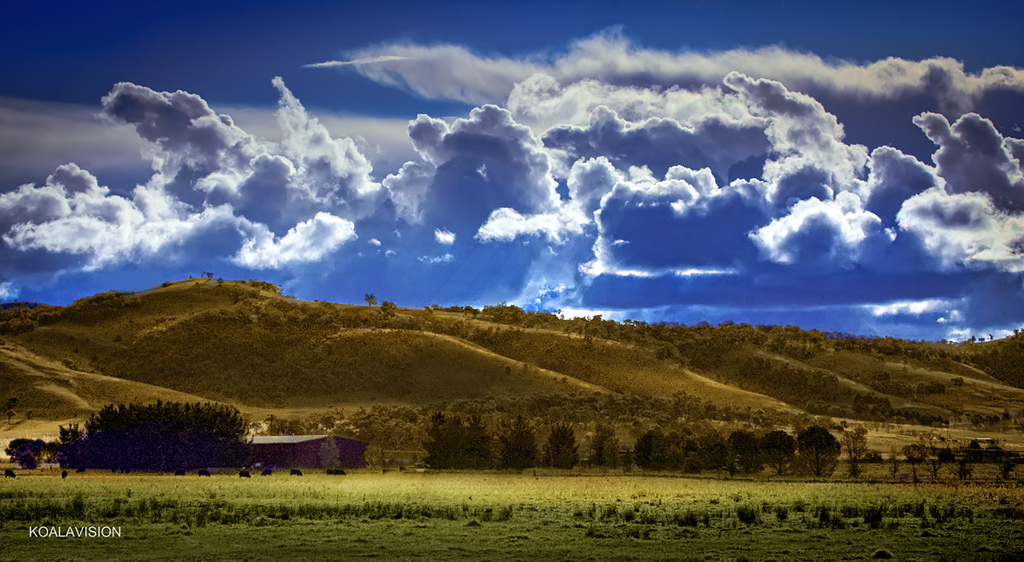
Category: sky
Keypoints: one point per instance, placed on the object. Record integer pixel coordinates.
(853, 168)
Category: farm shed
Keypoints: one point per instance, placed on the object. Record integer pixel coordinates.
(303, 451)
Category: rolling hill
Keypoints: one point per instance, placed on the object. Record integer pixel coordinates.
(242, 343)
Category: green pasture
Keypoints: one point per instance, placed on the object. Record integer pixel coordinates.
(435, 516)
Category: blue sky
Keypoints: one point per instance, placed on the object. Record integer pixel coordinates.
(852, 168)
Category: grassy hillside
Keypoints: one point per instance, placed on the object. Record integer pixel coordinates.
(237, 343)
(244, 344)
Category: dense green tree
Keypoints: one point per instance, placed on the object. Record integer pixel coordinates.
(779, 449)
(561, 450)
(446, 441)
(604, 447)
(713, 451)
(745, 448)
(478, 443)
(162, 436)
(819, 450)
(517, 444)
(655, 450)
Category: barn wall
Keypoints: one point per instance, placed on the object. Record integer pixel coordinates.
(306, 454)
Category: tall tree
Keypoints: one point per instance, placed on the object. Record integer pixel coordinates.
(604, 447)
(561, 450)
(517, 444)
(370, 299)
(446, 442)
(655, 450)
(856, 444)
(819, 449)
(779, 449)
(745, 448)
(713, 451)
(478, 443)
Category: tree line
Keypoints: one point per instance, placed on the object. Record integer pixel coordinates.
(457, 442)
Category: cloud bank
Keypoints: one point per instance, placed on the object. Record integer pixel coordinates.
(662, 186)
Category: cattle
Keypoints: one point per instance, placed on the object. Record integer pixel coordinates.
(267, 472)
(401, 469)
(203, 472)
(179, 473)
(336, 471)
(79, 470)
(244, 474)
(63, 474)
(8, 473)
(296, 472)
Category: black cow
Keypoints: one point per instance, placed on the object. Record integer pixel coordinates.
(244, 474)
(79, 470)
(63, 474)
(203, 472)
(179, 473)
(336, 471)
(296, 472)
(8, 473)
(267, 472)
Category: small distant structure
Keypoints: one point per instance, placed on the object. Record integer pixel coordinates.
(393, 458)
(303, 451)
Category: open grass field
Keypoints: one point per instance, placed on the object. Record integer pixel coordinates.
(367, 515)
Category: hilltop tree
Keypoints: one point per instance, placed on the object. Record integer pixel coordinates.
(779, 449)
(388, 308)
(370, 298)
(9, 406)
(561, 450)
(819, 449)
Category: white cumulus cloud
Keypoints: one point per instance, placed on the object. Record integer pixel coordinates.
(308, 241)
